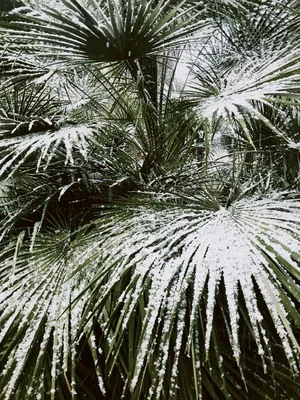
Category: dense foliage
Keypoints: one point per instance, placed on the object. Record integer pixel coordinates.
(149, 199)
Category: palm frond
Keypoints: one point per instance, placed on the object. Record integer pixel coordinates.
(104, 32)
(189, 265)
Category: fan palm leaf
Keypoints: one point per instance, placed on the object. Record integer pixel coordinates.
(175, 260)
(104, 32)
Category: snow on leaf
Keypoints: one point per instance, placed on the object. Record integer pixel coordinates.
(17, 150)
(165, 252)
(258, 79)
(179, 248)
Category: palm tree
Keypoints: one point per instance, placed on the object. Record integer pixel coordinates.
(150, 244)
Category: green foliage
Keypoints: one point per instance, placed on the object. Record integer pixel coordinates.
(149, 230)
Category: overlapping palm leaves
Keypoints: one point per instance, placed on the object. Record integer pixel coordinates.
(106, 31)
(179, 280)
(177, 261)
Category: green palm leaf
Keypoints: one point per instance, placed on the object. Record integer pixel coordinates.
(176, 260)
(104, 31)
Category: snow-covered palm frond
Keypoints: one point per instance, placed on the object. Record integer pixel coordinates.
(17, 150)
(174, 252)
(103, 31)
(256, 28)
(170, 263)
(38, 306)
(243, 91)
(15, 67)
(28, 123)
(21, 104)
